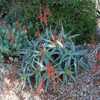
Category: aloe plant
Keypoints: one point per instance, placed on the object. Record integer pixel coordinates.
(11, 40)
(56, 50)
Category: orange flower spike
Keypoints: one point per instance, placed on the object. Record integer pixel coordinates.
(46, 13)
(50, 70)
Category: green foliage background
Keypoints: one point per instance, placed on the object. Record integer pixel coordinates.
(78, 16)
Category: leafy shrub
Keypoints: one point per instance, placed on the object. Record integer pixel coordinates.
(50, 56)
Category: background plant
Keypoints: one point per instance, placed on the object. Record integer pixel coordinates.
(76, 15)
(50, 56)
(12, 39)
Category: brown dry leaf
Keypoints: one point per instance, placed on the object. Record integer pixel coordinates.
(54, 38)
(50, 70)
(37, 33)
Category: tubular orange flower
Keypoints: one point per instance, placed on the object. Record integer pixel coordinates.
(43, 17)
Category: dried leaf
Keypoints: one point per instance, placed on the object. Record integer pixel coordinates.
(11, 38)
(50, 70)
(54, 38)
(37, 33)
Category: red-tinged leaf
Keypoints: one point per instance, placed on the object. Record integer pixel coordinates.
(50, 70)
(37, 33)
(7, 61)
(40, 88)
